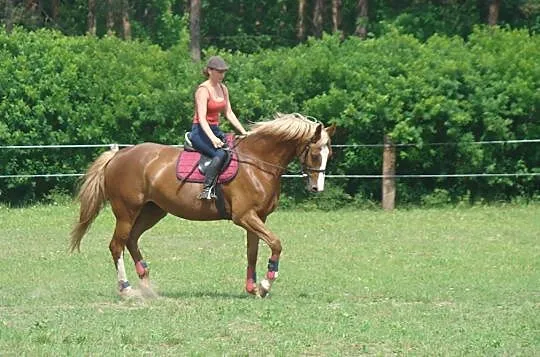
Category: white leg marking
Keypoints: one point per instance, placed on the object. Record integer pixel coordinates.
(324, 158)
(120, 269)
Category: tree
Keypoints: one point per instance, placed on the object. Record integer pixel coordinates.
(362, 19)
(195, 30)
(110, 17)
(126, 24)
(91, 18)
(8, 14)
(318, 18)
(301, 26)
(55, 6)
(336, 15)
(493, 13)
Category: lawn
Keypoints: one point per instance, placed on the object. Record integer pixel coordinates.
(422, 282)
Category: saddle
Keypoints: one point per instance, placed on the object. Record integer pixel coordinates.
(191, 164)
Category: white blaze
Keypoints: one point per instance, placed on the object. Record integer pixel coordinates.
(324, 159)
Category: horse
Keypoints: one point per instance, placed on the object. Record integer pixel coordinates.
(140, 184)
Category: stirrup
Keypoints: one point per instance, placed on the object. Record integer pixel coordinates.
(207, 193)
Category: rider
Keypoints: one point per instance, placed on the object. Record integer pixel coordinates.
(211, 99)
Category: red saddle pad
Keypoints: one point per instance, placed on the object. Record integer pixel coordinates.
(187, 166)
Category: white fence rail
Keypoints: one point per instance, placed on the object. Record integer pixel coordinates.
(350, 176)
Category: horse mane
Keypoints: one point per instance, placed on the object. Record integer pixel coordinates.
(285, 127)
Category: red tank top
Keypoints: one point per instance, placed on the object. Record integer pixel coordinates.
(213, 108)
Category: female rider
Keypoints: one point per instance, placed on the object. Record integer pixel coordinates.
(211, 99)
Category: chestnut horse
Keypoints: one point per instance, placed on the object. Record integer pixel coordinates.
(141, 186)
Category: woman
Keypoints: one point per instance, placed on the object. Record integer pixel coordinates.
(212, 99)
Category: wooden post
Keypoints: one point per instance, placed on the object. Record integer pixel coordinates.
(389, 171)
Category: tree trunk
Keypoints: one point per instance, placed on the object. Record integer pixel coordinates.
(91, 18)
(55, 5)
(493, 16)
(126, 24)
(110, 17)
(31, 5)
(336, 15)
(318, 18)
(32, 12)
(301, 25)
(8, 10)
(284, 10)
(195, 30)
(362, 20)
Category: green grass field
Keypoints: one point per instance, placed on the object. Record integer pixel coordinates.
(440, 282)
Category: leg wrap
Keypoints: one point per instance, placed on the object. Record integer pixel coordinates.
(251, 280)
(273, 267)
(142, 268)
(122, 285)
(251, 274)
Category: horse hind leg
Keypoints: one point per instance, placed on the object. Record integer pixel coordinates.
(116, 246)
(252, 253)
(147, 218)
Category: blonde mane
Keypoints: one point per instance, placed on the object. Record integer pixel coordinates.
(286, 127)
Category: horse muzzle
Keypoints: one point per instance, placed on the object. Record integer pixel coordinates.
(315, 182)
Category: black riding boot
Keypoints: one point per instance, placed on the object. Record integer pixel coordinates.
(210, 179)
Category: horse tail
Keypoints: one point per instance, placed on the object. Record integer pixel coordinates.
(91, 196)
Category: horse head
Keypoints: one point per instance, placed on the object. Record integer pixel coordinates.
(314, 157)
(288, 136)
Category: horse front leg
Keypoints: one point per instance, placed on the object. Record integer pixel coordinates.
(255, 225)
(271, 275)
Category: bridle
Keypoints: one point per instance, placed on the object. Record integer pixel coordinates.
(305, 153)
(302, 157)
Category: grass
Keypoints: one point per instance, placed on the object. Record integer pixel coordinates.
(445, 282)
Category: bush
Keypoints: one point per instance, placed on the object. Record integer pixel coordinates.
(81, 90)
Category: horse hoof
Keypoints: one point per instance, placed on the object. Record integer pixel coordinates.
(252, 290)
(129, 293)
(264, 288)
(263, 292)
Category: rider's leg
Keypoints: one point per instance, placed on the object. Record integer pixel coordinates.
(202, 143)
(211, 175)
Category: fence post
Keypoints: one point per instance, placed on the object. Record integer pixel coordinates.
(389, 172)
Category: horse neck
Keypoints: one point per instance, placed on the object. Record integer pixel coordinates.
(269, 150)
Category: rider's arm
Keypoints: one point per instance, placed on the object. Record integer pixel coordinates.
(229, 114)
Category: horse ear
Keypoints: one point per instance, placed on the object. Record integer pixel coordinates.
(331, 130)
(317, 135)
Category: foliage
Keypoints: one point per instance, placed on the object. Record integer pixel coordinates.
(250, 26)
(83, 90)
(66, 90)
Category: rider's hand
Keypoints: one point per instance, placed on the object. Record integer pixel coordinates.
(217, 142)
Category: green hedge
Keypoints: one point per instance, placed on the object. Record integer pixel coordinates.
(81, 90)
